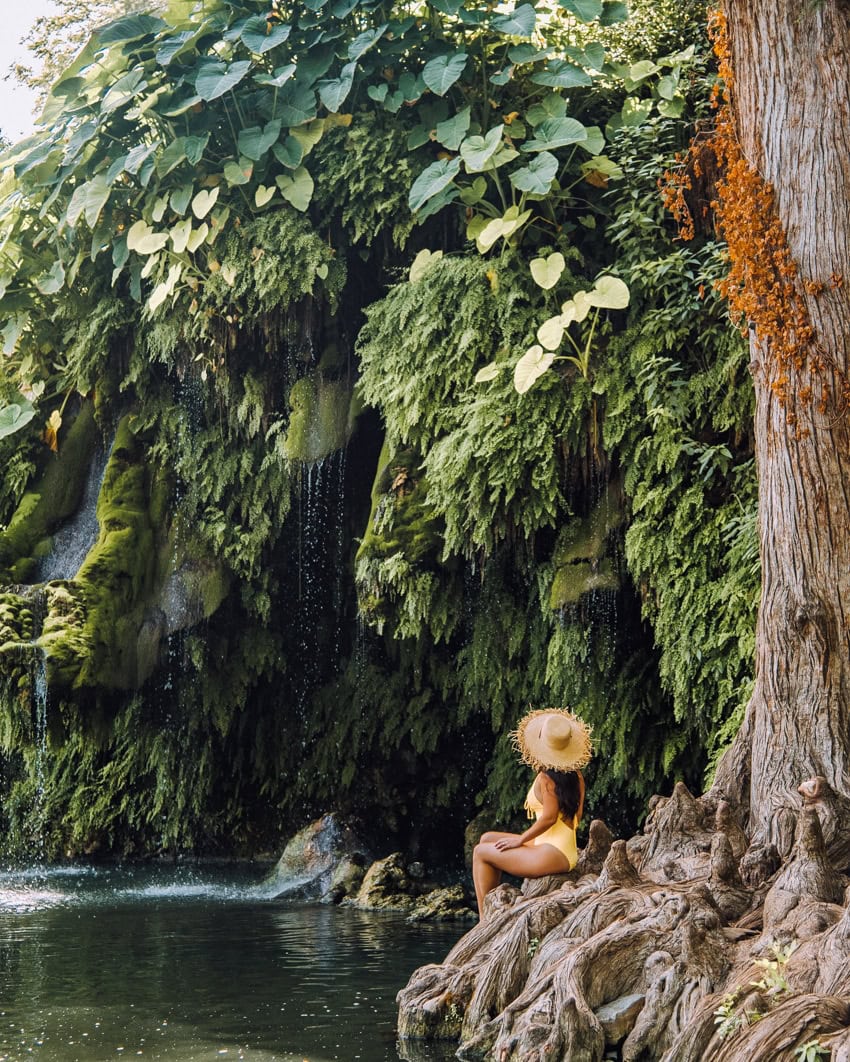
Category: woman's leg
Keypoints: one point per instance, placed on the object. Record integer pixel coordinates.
(529, 861)
(494, 835)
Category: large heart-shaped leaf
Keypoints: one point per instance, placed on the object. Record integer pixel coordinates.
(556, 133)
(263, 195)
(551, 332)
(254, 142)
(441, 73)
(613, 11)
(489, 372)
(15, 416)
(586, 10)
(89, 199)
(51, 281)
(500, 228)
(530, 367)
(217, 78)
(560, 73)
(203, 202)
(172, 47)
(334, 92)
(431, 181)
(552, 105)
(129, 28)
(238, 173)
(296, 189)
(422, 263)
(260, 35)
(288, 152)
(278, 79)
(519, 23)
(296, 104)
(180, 234)
(451, 132)
(142, 239)
(547, 271)
(365, 40)
(610, 293)
(537, 176)
(477, 150)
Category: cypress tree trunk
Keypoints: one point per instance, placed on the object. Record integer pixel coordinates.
(791, 67)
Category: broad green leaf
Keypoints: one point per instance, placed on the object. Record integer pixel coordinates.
(530, 367)
(138, 156)
(551, 333)
(552, 105)
(228, 274)
(422, 262)
(613, 11)
(436, 204)
(89, 199)
(474, 194)
(418, 135)
(129, 28)
(671, 108)
(334, 92)
(171, 157)
(594, 54)
(644, 69)
(254, 142)
(599, 170)
(537, 176)
(364, 41)
(528, 53)
(15, 416)
(289, 152)
(203, 202)
(173, 46)
(197, 237)
(180, 197)
(51, 281)
(476, 150)
(123, 91)
(451, 132)
(547, 271)
(519, 23)
(634, 112)
(502, 77)
(238, 173)
(307, 136)
(280, 77)
(489, 372)
(322, 271)
(595, 141)
(378, 93)
(142, 239)
(180, 234)
(586, 10)
(184, 104)
(297, 189)
(263, 195)
(159, 207)
(500, 228)
(431, 181)
(13, 330)
(555, 133)
(561, 74)
(296, 104)
(260, 35)
(610, 293)
(667, 86)
(152, 263)
(217, 78)
(441, 73)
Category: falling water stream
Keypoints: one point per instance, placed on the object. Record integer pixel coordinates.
(190, 965)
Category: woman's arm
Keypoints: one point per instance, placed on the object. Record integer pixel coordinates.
(548, 816)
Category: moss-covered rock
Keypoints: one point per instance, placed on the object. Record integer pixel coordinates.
(580, 563)
(319, 421)
(53, 498)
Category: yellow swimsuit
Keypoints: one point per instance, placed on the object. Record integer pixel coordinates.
(562, 836)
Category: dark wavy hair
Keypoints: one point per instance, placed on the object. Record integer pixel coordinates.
(568, 792)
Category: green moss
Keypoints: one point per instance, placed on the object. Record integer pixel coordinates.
(318, 420)
(53, 499)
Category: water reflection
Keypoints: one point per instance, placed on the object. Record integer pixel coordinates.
(113, 964)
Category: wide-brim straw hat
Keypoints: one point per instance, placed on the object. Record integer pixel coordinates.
(553, 739)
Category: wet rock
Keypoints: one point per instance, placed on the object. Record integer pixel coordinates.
(443, 905)
(320, 861)
(386, 886)
(619, 1016)
(346, 879)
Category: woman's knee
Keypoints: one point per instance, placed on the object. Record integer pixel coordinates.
(489, 837)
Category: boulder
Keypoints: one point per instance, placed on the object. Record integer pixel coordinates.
(386, 886)
(322, 861)
(443, 905)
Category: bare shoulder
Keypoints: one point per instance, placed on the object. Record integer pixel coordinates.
(546, 785)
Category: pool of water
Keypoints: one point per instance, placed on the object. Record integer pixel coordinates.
(189, 965)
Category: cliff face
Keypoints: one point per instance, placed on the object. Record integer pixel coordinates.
(294, 551)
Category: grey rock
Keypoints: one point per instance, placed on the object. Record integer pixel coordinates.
(319, 861)
(619, 1016)
(386, 886)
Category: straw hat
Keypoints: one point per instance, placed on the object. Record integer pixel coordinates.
(553, 739)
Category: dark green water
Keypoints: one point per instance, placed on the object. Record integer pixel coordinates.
(186, 966)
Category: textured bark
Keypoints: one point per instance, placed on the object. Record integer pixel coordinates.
(791, 64)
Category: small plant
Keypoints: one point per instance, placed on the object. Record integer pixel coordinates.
(812, 1051)
(725, 1018)
(533, 945)
(773, 980)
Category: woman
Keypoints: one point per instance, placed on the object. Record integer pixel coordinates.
(556, 744)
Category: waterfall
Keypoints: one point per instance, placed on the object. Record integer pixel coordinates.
(72, 541)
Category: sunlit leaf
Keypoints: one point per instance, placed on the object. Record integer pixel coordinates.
(129, 28)
(555, 133)
(263, 195)
(560, 73)
(296, 189)
(217, 78)
(333, 93)
(537, 176)
(203, 202)
(422, 262)
(489, 372)
(441, 73)
(364, 41)
(50, 435)
(476, 150)
(519, 23)
(547, 271)
(530, 367)
(142, 239)
(51, 281)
